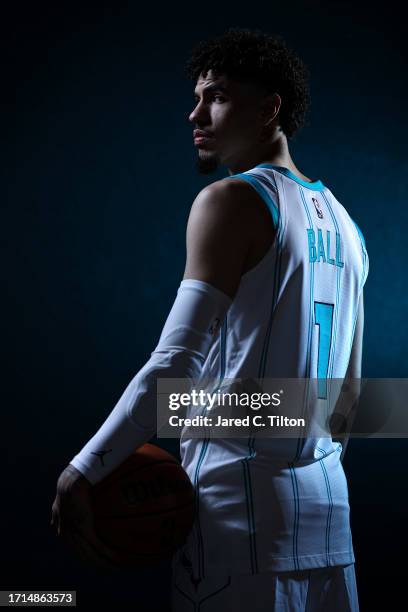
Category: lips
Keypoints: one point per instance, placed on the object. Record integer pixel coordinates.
(200, 141)
(201, 134)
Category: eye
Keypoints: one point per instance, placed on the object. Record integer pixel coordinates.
(219, 98)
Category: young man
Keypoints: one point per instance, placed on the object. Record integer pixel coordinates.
(265, 294)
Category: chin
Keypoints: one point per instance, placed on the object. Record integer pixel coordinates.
(207, 164)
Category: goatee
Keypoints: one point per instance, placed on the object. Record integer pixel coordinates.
(207, 165)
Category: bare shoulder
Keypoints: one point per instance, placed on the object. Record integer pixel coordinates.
(220, 211)
(232, 210)
(229, 190)
(230, 200)
(229, 230)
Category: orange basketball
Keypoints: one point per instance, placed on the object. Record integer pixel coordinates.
(144, 509)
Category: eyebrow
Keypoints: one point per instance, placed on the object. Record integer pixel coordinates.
(214, 87)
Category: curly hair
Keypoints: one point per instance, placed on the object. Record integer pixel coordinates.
(261, 58)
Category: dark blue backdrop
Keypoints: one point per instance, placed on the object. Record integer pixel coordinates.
(99, 178)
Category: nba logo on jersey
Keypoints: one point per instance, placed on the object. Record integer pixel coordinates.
(318, 209)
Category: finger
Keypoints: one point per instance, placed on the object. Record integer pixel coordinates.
(79, 549)
(68, 517)
(55, 515)
(77, 518)
(76, 509)
(87, 530)
(55, 524)
(82, 549)
(94, 544)
(82, 521)
(90, 553)
(88, 546)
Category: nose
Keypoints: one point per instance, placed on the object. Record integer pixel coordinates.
(198, 115)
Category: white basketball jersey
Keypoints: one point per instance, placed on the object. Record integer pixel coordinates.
(267, 504)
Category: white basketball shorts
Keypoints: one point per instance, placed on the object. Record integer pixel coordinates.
(326, 589)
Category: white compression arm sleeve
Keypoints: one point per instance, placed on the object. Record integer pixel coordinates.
(188, 333)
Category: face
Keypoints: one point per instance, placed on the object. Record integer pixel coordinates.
(228, 112)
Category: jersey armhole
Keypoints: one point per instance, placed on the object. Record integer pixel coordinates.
(360, 233)
(365, 255)
(272, 206)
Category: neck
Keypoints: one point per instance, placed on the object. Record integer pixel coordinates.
(275, 152)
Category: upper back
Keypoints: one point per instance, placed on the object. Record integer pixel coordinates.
(305, 290)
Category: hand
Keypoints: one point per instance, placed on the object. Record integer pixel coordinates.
(72, 517)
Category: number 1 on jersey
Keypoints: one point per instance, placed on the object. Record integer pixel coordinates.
(323, 318)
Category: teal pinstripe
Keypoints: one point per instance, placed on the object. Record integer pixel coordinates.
(297, 513)
(309, 335)
(204, 447)
(277, 221)
(336, 306)
(330, 511)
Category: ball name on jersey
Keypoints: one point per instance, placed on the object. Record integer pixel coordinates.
(319, 249)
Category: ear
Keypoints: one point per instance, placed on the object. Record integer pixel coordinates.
(271, 104)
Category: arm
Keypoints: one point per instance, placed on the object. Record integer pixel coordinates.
(220, 231)
(216, 250)
(344, 413)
